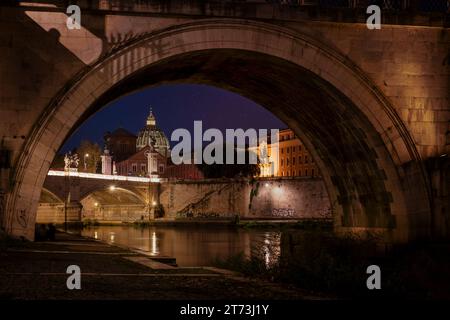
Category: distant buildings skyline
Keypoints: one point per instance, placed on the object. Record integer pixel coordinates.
(203, 103)
(176, 106)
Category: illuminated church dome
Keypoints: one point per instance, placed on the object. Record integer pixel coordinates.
(151, 135)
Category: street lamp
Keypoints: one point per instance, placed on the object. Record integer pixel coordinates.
(85, 165)
(69, 160)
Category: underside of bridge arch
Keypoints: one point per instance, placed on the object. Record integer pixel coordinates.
(118, 196)
(50, 208)
(348, 149)
(116, 205)
(49, 197)
(357, 141)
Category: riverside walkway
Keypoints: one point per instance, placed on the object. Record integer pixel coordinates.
(37, 270)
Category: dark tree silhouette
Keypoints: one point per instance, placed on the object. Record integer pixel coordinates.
(230, 170)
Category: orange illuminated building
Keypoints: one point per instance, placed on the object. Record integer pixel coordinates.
(294, 159)
(288, 158)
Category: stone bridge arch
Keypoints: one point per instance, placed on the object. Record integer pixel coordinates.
(120, 204)
(50, 208)
(57, 186)
(88, 189)
(369, 161)
(50, 196)
(81, 187)
(118, 190)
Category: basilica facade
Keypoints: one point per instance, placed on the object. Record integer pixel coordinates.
(146, 154)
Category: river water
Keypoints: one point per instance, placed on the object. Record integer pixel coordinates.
(193, 246)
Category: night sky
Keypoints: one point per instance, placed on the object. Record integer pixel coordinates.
(175, 106)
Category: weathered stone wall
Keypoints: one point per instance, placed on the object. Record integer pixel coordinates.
(410, 65)
(271, 198)
(48, 212)
(263, 199)
(439, 171)
(117, 213)
(204, 198)
(55, 213)
(289, 198)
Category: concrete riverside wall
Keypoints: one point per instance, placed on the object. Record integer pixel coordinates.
(264, 198)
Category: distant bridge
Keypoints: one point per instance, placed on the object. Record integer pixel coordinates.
(82, 184)
(77, 196)
(72, 196)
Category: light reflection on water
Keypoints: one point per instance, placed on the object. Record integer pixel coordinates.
(193, 246)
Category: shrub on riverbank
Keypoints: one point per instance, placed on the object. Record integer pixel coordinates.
(305, 224)
(337, 267)
(316, 266)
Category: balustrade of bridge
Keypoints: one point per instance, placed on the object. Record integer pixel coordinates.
(411, 12)
(130, 5)
(413, 5)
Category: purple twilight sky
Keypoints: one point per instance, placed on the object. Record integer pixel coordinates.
(175, 106)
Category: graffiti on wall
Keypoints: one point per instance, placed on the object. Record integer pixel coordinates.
(22, 218)
(283, 212)
(190, 214)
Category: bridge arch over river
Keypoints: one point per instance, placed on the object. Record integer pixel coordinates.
(370, 155)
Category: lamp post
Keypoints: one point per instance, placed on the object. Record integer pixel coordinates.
(69, 160)
(67, 202)
(85, 164)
